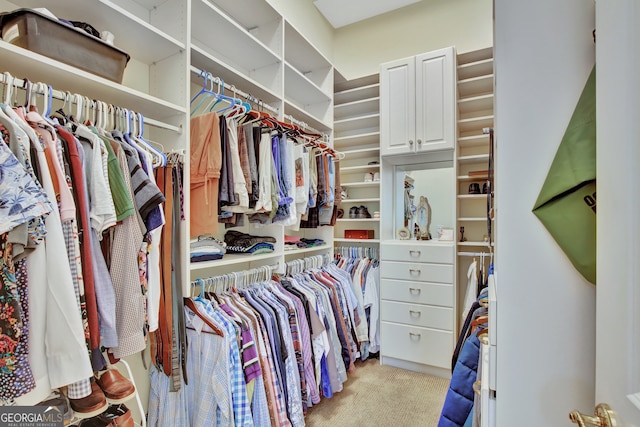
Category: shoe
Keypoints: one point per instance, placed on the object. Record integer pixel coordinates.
(340, 213)
(373, 162)
(485, 188)
(363, 212)
(116, 387)
(58, 399)
(91, 405)
(353, 212)
(474, 188)
(376, 214)
(343, 194)
(376, 177)
(368, 177)
(117, 416)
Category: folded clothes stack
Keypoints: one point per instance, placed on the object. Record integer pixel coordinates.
(295, 242)
(207, 248)
(243, 243)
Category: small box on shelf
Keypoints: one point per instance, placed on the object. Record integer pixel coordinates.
(358, 234)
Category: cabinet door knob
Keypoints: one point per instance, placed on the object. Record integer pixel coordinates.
(419, 141)
(415, 313)
(414, 270)
(411, 142)
(413, 334)
(414, 253)
(415, 290)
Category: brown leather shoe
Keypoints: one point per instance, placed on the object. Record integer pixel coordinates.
(118, 416)
(116, 387)
(91, 405)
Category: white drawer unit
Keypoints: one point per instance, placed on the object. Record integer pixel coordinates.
(417, 315)
(435, 253)
(421, 272)
(415, 344)
(418, 305)
(440, 294)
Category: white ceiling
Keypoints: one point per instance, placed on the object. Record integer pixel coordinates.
(344, 12)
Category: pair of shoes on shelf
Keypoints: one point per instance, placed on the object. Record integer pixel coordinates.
(114, 416)
(353, 212)
(60, 400)
(109, 387)
(372, 177)
(363, 212)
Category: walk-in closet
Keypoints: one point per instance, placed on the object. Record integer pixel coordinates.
(318, 213)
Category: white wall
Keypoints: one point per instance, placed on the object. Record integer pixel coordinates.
(360, 48)
(546, 311)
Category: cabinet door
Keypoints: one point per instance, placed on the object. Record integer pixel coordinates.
(397, 107)
(435, 100)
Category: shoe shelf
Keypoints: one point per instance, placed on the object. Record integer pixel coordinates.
(475, 112)
(468, 178)
(354, 124)
(361, 153)
(355, 108)
(472, 196)
(369, 200)
(343, 240)
(480, 140)
(367, 138)
(360, 184)
(477, 158)
(355, 94)
(359, 168)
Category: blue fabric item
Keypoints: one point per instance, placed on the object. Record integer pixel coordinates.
(469, 421)
(458, 403)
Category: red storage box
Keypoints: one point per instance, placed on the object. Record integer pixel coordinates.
(358, 234)
(39, 33)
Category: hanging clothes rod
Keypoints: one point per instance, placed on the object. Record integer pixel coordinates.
(232, 278)
(304, 125)
(69, 97)
(233, 89)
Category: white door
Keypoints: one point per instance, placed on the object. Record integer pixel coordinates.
(562, 343)
(618, 218)
(397, 107)
(436, 100)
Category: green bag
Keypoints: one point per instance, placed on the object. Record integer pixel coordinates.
(567, 202)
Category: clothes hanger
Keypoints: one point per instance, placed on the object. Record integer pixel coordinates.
(188, 302)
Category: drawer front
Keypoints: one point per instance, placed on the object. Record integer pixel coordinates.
(437, 254)
(417, 292)
(439, 273)
(417, 315)
(415, 344)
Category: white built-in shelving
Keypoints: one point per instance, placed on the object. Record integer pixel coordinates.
(357, 135)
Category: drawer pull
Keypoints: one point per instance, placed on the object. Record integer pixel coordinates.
(415, 290)
(414, 270)
(414, 335)
(415, 313)
(414, 253)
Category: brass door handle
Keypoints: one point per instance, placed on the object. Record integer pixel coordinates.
(604, 417)
(414, 313)
(413, 334)
(414, 270)
(415, 290)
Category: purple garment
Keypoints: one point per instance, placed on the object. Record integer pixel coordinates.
(249, 353)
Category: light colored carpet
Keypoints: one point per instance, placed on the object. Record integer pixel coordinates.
(376, 395)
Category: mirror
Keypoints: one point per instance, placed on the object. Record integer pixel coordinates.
(424, 201)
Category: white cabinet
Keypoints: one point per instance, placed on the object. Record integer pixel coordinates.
(417, 305)
(417, 103)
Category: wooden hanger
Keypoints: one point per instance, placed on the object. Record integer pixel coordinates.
(188, 302)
